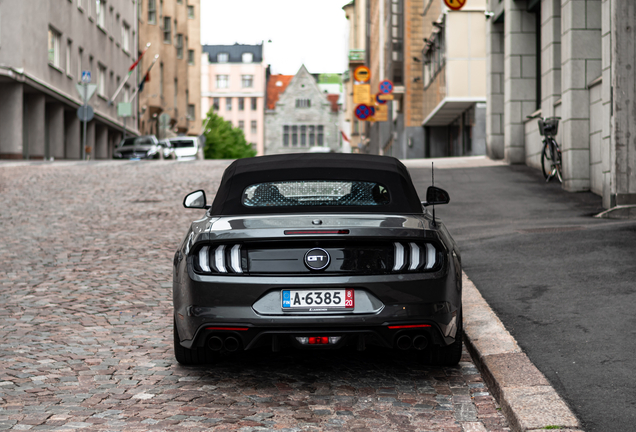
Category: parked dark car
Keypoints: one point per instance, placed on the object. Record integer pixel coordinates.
(140, 147)
(317, 251)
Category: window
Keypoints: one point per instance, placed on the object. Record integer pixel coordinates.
(167, 32)
(152, 11)
(303, 136)
(222, 81)
(80, 5)
(254, 104)
(228, 104)
(247, 57)
(125, 34)
(191, 57)
(190, 12)
(54, 47)
(180, 46)
(191, 112)
(241, 104)
(100, 13)
(285, 136)
(176, 95)
(101, 80)
(161, 93)
(254, 127)
(294, 130)
(303, 103)
(320, 135)
(312, 136)
(247, 81)
(397, 40)
(180, 1)
(434, 56)
(69, 48)
(80, 54)
(315, 193)
(216, 104)
(222, 57)
(241, 125)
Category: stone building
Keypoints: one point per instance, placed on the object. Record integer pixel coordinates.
(572, 59)
(44, 47)
(303, 117)
(233, 83)
(170, 103)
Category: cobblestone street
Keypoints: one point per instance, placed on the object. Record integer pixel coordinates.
(86, 325)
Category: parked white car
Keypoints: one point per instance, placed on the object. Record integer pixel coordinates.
(185, 147)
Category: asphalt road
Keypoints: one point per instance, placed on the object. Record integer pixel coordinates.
(563, 283)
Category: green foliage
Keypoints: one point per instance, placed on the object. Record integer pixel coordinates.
(222, 141)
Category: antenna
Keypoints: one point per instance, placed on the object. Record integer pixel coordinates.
(433, 179)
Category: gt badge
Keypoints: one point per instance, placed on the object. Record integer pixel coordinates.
(317, 259)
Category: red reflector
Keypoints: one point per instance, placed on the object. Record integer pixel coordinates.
(228, 328)
(291, 232)
(409, 326)
(321, 340)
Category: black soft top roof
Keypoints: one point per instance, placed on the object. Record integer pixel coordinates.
(385, 170)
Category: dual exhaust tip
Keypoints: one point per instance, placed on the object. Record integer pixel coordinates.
(230, 343)
(405, 342)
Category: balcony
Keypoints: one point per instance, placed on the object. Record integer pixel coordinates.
(356, 56)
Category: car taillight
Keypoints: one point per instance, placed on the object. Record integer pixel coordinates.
(414, 257)
(219, 259)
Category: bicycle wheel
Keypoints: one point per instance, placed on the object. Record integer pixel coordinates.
(557, 161)
(546, 161)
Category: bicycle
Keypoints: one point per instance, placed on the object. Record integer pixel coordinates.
(551, 154)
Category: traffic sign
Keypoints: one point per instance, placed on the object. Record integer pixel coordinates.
(386, 87)
(363, 112)
(378, 100)
(385, 97)
(362, 74)
(86, 76)
(455, 4)
(85, 113)
(86, 91)
(124, 109)
(362, 94)
(381, 113)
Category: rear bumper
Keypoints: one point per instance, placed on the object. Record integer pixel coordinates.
(203, 303)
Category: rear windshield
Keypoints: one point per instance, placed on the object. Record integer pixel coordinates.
(182, 143)
(137, 140)
(315, 193)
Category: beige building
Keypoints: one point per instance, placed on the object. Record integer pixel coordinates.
(170, 102)
(454, 78)
(44, 48)
(355, 12)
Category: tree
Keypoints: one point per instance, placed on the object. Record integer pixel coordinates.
(222, 141)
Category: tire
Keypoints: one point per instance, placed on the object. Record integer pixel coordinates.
(190, 357)
(449, 355)
(550, 162)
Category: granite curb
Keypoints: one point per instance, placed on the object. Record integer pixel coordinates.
(526, 397)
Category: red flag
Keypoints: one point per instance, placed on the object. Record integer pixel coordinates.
(134, 65)
(344, 136)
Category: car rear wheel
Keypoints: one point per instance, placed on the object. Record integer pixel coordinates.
(190, 357)
(449, 355)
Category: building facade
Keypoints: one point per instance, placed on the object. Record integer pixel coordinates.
(233, 84)
(303, 117)
(436, 59)
(40, 65)
(170, 104)
(571, 59)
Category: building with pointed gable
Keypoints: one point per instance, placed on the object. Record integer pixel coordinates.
(299, 115)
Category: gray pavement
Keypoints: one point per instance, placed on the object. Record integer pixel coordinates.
(562, 282)
(86, 334)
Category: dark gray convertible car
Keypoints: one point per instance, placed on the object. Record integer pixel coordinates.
(317, 251)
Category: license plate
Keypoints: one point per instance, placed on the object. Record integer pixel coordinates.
(316, 300)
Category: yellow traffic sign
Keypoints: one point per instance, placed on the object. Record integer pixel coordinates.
(362, 94)
(362, 74)
(455, 4)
